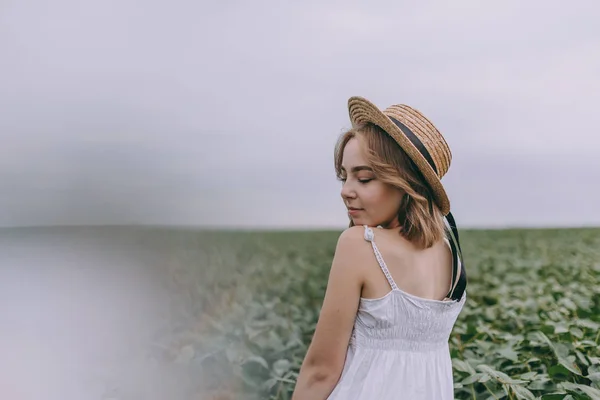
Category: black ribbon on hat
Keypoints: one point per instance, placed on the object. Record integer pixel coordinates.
(458, 288)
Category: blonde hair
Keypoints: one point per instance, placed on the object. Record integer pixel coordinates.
(421, 220)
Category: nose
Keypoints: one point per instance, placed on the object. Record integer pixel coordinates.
(347, 191)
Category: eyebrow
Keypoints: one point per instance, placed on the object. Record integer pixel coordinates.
(359, 168)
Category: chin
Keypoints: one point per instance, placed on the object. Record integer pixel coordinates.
(358, 221)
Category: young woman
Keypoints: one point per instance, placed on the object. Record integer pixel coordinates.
(397, 284)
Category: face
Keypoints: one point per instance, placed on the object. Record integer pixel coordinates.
(369, 201)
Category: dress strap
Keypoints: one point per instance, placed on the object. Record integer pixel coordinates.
(369, 237)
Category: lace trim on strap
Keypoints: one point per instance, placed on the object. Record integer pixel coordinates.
(369, 237)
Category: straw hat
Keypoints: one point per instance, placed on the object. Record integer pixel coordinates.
(416, 135)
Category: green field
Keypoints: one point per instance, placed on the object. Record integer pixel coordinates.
(249, 303)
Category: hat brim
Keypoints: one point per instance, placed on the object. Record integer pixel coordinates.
(362, 111)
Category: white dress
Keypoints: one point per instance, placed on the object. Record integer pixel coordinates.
(399, 346)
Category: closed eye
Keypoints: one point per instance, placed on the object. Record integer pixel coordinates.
(363, 181)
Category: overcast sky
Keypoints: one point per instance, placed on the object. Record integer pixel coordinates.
(226, 113)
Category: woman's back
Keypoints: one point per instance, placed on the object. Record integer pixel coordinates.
(424, 273)
(399, 345)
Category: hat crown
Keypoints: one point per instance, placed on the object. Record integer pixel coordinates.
(427, 134)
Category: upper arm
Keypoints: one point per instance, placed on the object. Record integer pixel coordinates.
(327, 351)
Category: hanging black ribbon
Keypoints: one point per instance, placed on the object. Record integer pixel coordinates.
(458, 288)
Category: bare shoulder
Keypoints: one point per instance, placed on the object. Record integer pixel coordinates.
(350, 237)
(352, 245)
(353, 253)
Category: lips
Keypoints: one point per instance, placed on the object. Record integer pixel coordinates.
(352, 210)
